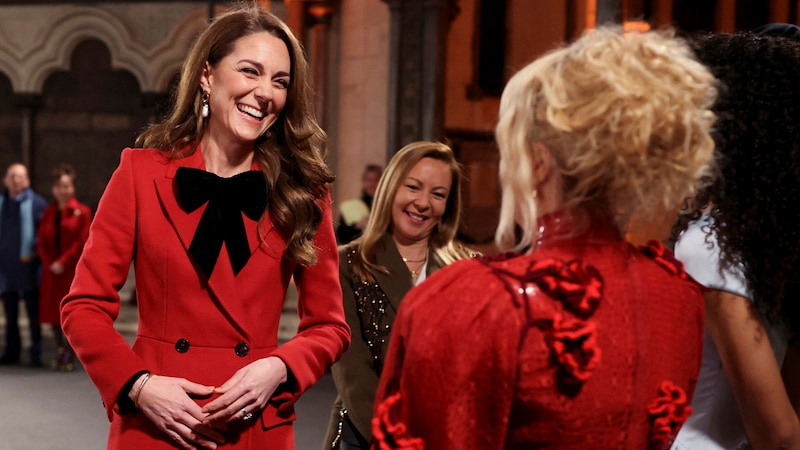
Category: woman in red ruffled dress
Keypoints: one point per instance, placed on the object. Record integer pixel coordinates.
(574, 338)
(62, 234)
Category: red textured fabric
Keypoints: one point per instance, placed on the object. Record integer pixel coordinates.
(668, 412)
(587, 342)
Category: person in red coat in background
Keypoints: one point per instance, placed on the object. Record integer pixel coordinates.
(62, 235)
(225, 204)
(575, 338)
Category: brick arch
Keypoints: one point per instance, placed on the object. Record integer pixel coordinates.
(153, 67)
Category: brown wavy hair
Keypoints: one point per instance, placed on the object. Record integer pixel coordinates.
(64, 169)
(291, 154)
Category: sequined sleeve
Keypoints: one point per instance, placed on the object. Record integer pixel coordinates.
(356, 374)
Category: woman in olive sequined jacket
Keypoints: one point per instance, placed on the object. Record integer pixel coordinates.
(409, 236)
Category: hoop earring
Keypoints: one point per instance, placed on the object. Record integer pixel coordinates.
(204, 111)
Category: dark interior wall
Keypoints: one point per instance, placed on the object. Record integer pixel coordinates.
(87, 116)
(699, 15)
(694, 15)
(10, 127)
(751, 14)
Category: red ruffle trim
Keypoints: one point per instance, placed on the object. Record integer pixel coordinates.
(572, 340)
(665, 258)
(388, 431)
(668, 412)
(579, 288)
(574, 343)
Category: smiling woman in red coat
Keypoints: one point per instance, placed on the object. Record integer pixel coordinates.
(62, 233)
(225, 204)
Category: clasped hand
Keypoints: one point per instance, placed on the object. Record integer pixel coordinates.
(165, 402)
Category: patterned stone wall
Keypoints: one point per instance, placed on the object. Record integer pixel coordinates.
(77, 83)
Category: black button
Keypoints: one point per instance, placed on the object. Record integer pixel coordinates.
(182, 346)
(242, 349)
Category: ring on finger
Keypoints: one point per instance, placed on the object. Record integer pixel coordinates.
(246, 415)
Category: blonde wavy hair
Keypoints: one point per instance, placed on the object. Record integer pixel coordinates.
(626, 118)
(442, 238)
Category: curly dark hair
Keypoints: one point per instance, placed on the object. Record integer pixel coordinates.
(754, 202)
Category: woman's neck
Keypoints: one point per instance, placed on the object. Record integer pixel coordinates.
(226, 160)
(413, 252)
(561, 225)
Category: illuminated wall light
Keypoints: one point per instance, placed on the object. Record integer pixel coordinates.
(635, 25)
(591, 14)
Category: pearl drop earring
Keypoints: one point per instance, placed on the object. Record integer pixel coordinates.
(204, 112)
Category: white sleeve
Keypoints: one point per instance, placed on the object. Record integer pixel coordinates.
(697, 249)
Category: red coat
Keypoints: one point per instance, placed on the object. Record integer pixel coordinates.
(202, 331)
(75, 220)
(587, 342)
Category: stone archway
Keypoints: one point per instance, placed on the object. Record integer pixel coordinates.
(32, 48)
(86, 115)
(143, 44)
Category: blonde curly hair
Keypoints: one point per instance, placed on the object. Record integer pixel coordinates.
(626, 118)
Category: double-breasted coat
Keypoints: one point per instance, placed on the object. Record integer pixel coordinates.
(356, 375)
(190, 327)
(71, 225)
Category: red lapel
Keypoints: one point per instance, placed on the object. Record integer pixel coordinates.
(223, 284)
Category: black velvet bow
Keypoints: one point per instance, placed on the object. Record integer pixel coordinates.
(222, 220)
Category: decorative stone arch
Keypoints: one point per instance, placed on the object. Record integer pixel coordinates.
(8, 68)
(153, 67)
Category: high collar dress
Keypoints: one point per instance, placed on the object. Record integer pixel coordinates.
(587, 342)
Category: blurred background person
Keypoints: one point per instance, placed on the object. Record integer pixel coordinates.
(21, 211)
(575, 339)
(740, 239)
(227, 201)
(410, 235)
(354, 213)
(62, 235)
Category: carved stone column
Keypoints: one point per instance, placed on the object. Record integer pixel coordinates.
(663, 13)
(319, 36)
(608, 11)
(310, 20)
(27, 104)
(417, 69)
(295, 17)
(725, 16)
(779, 11)
(796, 11)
